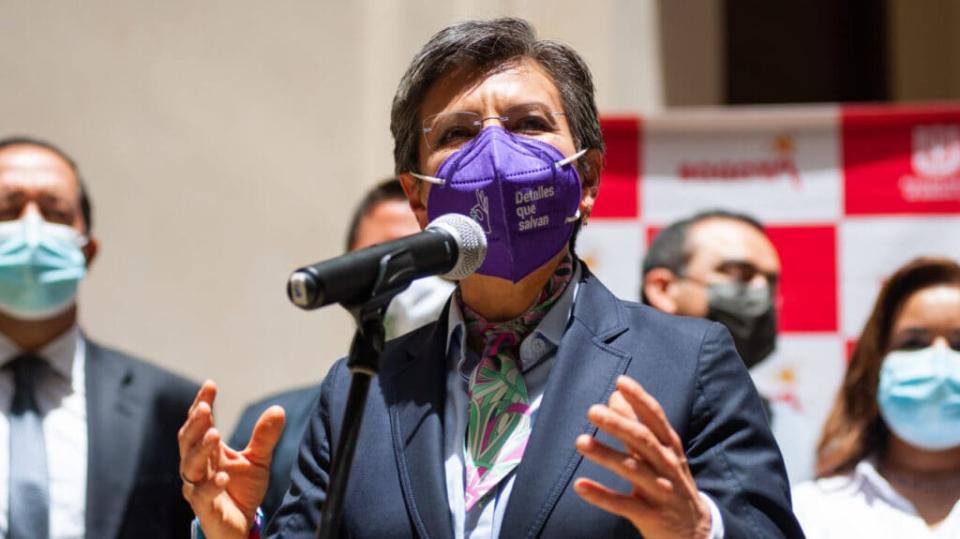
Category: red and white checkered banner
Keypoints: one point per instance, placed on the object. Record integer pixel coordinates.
(848, 194)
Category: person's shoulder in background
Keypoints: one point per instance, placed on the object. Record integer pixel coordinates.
(134, 410)
(175, 392)
(296, 403)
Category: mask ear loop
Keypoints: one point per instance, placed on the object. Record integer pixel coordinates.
(562, 163)
(429, 179)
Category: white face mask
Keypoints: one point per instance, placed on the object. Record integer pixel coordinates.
(417, 306)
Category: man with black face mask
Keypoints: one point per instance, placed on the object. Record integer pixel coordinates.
(718, 265)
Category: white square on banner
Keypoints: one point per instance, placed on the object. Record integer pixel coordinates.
(872, 248)
(779, 166)
(613, 250)
(801, 380)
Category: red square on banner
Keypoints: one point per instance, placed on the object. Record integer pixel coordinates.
(620, 182)
(808, 279)
(900, 160)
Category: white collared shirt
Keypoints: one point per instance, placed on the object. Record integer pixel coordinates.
(61, 396)
(864, 504)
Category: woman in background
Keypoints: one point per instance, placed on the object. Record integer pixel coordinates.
(888, 461)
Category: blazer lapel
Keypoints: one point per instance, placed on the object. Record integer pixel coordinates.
(115, 433)
(415, 391)
(584, 373)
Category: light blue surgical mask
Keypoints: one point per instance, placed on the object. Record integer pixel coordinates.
(919, 396)
(41, 265)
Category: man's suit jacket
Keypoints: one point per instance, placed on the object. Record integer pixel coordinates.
(297, 404)
(397, 486)
(134, 411)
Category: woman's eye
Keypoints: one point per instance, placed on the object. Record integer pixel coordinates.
(529, 124)
(912, 344)
(455, 135)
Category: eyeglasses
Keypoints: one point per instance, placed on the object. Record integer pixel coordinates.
(450, 130)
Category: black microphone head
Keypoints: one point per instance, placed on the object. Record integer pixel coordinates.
(471, 243)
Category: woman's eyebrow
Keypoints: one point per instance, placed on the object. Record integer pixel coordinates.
(913, 331)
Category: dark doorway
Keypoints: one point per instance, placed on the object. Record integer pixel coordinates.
(803, 52)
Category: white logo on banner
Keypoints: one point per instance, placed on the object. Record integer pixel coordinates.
(936, 162)
(936, 150)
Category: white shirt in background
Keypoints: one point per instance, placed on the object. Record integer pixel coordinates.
(418, 305)
(61, 396)
(864, 504)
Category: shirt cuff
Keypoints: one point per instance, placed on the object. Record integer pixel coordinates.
(196, 532)
(716, 520)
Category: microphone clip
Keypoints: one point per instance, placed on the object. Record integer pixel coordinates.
(393, 277)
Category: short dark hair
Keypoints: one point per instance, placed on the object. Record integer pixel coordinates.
(86, 207)
(385, 191)
(483, 47)
(669, 248)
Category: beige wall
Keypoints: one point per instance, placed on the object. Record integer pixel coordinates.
(225, 142)
(692, 49)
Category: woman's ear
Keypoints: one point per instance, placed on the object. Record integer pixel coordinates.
(592, 165)
(416, 191)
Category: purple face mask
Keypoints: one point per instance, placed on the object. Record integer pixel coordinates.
(522, 191)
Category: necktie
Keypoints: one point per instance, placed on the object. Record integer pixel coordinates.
(29, 501)
(498, 414)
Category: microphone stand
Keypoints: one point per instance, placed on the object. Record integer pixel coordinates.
(364, 363)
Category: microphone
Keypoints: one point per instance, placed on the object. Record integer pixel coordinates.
(452, 245)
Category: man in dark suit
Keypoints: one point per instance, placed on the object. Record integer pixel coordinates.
(88, 449)
(539, 404)
(382, 215)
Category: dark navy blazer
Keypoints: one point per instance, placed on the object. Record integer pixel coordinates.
(134, 411)
(397, 486)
